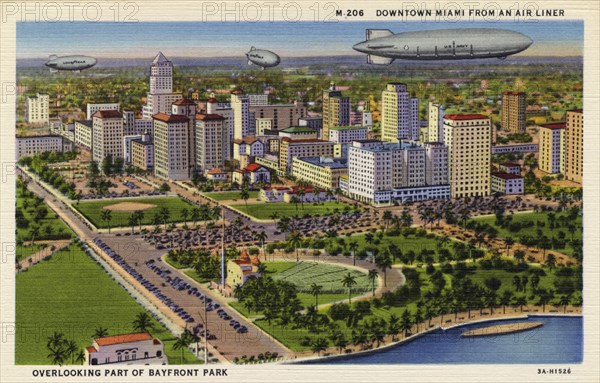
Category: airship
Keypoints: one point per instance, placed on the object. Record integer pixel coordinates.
(263, 58)
(383, 46)
(73, 63)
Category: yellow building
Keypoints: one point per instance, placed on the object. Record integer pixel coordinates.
(289, 149)
(574, 146)
(324, 172)
(239, 270)
(336, 110)
(551, 149)
(513, 111)
(468, 138)
(399, 114)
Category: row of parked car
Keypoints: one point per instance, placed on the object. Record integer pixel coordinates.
(181, 285)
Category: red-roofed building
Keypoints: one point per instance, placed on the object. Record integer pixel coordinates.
(252, 174)
(107, 135)
(239, 270)
(248, 146)
(507, 183)
(551, 154)
(171, 146)
(217, 175)
(132, 348)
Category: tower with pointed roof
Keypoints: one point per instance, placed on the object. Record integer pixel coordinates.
(160, 95)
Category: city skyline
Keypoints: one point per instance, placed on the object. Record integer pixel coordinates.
(136, 40)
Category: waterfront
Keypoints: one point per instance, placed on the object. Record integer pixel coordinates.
(559, 340)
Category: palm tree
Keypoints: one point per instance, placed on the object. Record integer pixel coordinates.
(318, 344)
(106, 216)
(139, 215)
(505, 299)
(164, 215)
(315, 290)
(182, 342)
(71, 349)
(245, 195)
(301, 193)
(57, 346)
(295, 240)
(353, 246)
(185, 213)
(195, 215)
(100, 332)
(406, 322)
(373, 274)
(34, 231)
(393, 326)
(387, 217)
(384, 262)
(80, 358)
(564, 301)
(262, 237)
(132, 221)
(508, 242)
(418, 316)
(295, 201)
(142, 322)
(520, 301)
(348, 281)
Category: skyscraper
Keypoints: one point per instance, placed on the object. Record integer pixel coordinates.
(241, 114)
(574, 146)
(160, 96)
(37, 109)
(171, 155)
(468, 138)
(399, 114)
(513, 111)
(551, 149)
(435, 127)
(209, 141)
(336, 110)
(107, 134)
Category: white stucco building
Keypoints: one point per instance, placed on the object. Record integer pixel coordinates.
(126, 349)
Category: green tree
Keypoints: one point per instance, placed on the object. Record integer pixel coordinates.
(142, 322)
(348, 281)
(318, 345)
(315, 290)
(106, 216)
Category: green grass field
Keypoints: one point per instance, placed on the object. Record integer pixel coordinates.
(26, 251)
(230, 195)
(532, 231)
(71, 294)
(51, 227)
(284, 209)
(92, 210)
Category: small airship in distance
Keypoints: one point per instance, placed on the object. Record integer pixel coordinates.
(72, 63)
(263, 58)
(383, 46)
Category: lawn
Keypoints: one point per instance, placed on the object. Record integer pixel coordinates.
(50, 226)
(92, 210)
(26, 251)
(532, 231)
(230, 195)
(283, 209)
(70, 293)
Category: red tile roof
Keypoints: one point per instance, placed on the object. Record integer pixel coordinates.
(246, 140)
(459, 117)
(91, 349)
(512, 92)
(506, 176)
(559, 125)
(209, 117)
(216, 171)
(237, 91)
(123, 338)
(108, 114)
(170, 117)
(212, 100)
(184, 101)
(253, 167)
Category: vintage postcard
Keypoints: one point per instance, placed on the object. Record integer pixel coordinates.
(299, 191)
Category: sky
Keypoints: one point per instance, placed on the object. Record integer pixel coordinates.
(212, 39)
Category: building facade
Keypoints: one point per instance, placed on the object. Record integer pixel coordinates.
(299, 133)
(347, 134)
(160, 96)
(468, 138)
(552, 144)
(171, 155)
(399, 114)
(93, 108)
(107, 135)
(323, 172)
(282, 116)
(288, 149)
(513, 111)
(29, 146)
(435, 122)
(336, 110)
(37, 109)
(126, 349)
(83, 133)
(574, 146)
(241, 114)
(142, 153)
(507, 183)
(210, 136)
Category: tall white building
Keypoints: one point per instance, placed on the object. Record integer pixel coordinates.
(347, 134)
(399, 114)
(224, 109)
(210, 135)
(31, 145)
(436, 163)
(551, 156)
(127, 140)
(468, 138)
(171, 151)
(241, 114)
(37, 109)
(336, 110)
(380, 172)
(188, 108)
(107, 135)
(435, 127)
(160, 96)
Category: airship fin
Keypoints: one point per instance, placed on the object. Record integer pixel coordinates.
(249, 62)
(52, 70)
(378, 60)
(377, 33)
(52, 57)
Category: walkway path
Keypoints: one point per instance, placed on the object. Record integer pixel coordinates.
(37, 257)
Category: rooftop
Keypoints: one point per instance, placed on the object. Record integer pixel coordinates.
(330, 162)
(108, 114)
(510, 164)
(506, 176)
(123, 338)
(209, 117)
(170, 117)
(249, 140)
(305, 141)
(298, 129)
(347, 127)
(559, 125)
(88, 123)
(160, 59)
(514, 93)
(461, 117)
(184, 101)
